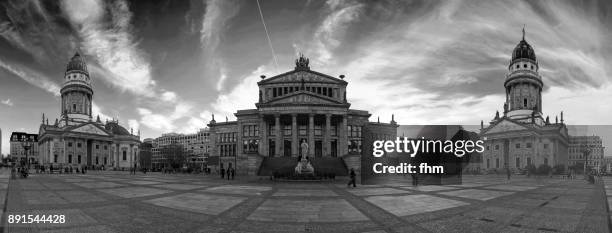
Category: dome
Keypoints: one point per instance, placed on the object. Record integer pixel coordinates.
(523, 50)
(116, 129)
(77, 63)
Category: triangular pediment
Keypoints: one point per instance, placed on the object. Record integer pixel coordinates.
(90, 129)
(298, 76)
(302, 97)
(505, 126)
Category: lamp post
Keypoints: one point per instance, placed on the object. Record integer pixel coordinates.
(586, 151)
(26, 144)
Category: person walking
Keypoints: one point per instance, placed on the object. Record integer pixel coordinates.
(352, 181)
(233, 173)
(229, 172)
(508, 173)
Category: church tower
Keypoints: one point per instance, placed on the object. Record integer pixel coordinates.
(76, 92)
(523, 85)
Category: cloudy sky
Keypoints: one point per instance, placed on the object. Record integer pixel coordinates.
(165, 66)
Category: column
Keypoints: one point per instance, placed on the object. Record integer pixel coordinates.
(294, 136)
(263, 136)
(277, 130)
(327, 136)
(311, 135)
(343, 137)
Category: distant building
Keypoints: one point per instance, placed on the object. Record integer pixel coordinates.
(295, 107)
(196, 146)
(607, 161)
(522, 136)
(78, 140)
(578, 147)
(18, 153)
(145, 154)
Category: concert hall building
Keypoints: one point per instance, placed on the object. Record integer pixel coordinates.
(296, 106)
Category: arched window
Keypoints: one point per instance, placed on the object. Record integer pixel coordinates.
(524, 65)
(124, 155)
(525, 103)
(74, 107)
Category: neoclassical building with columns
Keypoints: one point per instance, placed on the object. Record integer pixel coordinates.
(522, 136)
(298, 106)
(75, 139)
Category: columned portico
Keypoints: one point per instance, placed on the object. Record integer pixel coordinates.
(315, 128)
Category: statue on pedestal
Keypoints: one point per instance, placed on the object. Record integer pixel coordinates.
(304, 166)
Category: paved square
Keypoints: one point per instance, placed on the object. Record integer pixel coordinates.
(178, 186)
(429, 188)
(413, 204)
(200, 203)
(376, 191)
(131, 192)
(510, 187)
(239, 189)
(304, 193)
(96, 185)
(330, 210)
(477, 194)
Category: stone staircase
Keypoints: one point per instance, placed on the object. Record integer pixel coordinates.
(287, 165)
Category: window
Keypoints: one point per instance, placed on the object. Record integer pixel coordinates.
(497, 163)
(97, 160)
(318, 130)
(546, 146)
(97, 146)
(79, 159)
(286, 130)
(105, 147)
(302, 129)
(79, 145)
(74, 107)
(124, 155)
(528, 161)
(105, 160)
(525, 103)
(524, 65)
(70, 144)
(334, 130)
(545, 161)
(354, 145)
(55, 158)
(354, 131)
(488, 164)
(250, 146)
(528, 145)
(488, 147)
(69, 158)
(518, 162)
(496, 147)
(518, 145)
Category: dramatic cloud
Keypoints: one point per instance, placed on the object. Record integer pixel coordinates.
(112, 43)
(32, 77)
(7, 102)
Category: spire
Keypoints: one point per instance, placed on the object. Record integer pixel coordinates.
(379, 119)
(561, 117)
(523, 31)
(481, 124)
(43, 118)
(393, 119)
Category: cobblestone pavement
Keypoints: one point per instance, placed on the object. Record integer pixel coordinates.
(119, 202)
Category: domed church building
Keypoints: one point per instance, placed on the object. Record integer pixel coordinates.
(76, 139)
(522, 136)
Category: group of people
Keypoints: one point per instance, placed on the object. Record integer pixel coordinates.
(230, 172)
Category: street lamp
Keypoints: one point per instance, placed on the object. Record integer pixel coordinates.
(586, 151)
(26, 144)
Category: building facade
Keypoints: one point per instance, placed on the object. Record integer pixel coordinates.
(591, 145)
(18, 153)
(522, 136)
(298, 106)
(76, 139)
(145, 154)
(196, 147)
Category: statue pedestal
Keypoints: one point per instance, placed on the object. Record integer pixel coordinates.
(304, 167)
